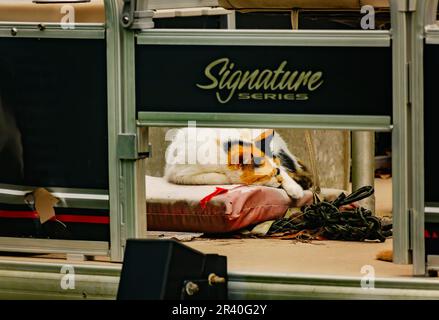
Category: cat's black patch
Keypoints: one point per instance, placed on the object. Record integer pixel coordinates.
(228, 145)
(265, 145)
(286, 161)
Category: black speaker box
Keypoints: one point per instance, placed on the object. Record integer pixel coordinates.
(169, 270)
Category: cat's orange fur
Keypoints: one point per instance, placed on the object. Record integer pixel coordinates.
(250, 173)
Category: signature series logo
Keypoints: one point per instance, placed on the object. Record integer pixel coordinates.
(279, 84)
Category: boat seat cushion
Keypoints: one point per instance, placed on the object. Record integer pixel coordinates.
(301, 4)
(27, 11)
(172, 207)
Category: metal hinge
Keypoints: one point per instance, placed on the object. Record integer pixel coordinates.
(127, 17)
(127, 148)
(133, 19)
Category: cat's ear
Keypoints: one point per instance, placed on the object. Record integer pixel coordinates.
(263, 141)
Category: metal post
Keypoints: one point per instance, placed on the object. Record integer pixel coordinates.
(126, 176)
(132, 178)
(400, 132)
(112, 9)
(425, 14)
(363, 164)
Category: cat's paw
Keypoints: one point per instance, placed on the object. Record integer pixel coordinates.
(294, 190)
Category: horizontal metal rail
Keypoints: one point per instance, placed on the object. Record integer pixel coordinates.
(32, 245)
(432, 34)
(52, 30)
(75, 198)
(259, 120)
(320, 38)
(25, 279)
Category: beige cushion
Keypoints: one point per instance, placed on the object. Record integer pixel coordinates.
(301, 4)
(89, 12)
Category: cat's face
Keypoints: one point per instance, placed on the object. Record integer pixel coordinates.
(259, 162)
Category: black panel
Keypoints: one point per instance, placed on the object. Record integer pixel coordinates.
(158, 269)
(200, 22)
(356, 80)
(348, 20)
(21, 228)
(263, 20)
(340, 20)
(431, 236)
(431, 116)
(56, 91)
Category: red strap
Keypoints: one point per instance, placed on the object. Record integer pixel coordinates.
(61, 217)
(206, 199)
(18, 214)
(82, 219)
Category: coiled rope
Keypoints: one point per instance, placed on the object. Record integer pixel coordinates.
(332, 221)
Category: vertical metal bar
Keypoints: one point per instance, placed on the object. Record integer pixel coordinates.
(400, 141)
(231, 20)
(363, 163)
(425, 14)
(346, 158)
(133, 174)
(141, 224)
(127, 191)
(112, 9)
(417, 172)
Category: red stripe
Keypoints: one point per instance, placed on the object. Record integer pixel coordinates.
(19, 214)
(61, 217)
(82, 219)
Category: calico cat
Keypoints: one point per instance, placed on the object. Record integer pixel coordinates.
(235, 156)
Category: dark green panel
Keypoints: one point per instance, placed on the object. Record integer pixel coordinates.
(355, 80)
(56, 91)
(431, 116)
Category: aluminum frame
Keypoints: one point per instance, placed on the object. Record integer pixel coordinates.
(240, 37)
(69, 196)
(425, 15)
(400, 134)
(127, 199)
(397, 37)
(52, 30)
(258, 120)
(99, 281)
(127, 196)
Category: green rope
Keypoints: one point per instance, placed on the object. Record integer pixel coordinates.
(326, 219)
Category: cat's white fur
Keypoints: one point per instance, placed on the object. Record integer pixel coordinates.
(207, 147)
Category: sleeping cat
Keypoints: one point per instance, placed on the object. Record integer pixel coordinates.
(235, 156)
